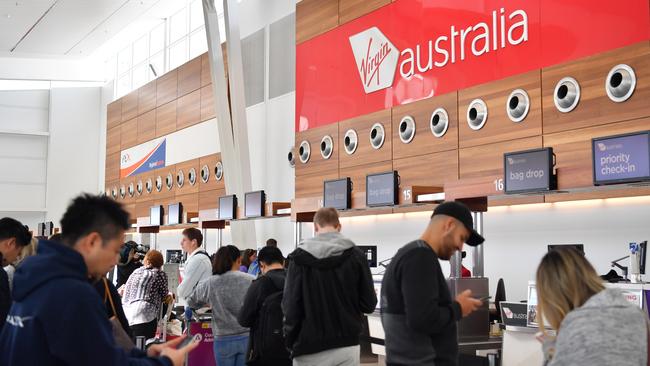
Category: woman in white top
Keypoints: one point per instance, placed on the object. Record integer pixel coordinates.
(143, 295)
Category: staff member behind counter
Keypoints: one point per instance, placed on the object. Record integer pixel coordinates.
(417, 312)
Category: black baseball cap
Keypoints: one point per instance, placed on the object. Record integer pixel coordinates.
(461, 213)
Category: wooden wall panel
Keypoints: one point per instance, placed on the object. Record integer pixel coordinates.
(210, 199)
(130, 208)
(358, 176)
(147, 126)
(130, 106)
(316, 161)
(114, 114)
(487, 160)
(210, 161)
(189, 76)
(129, 134)
(594, 107)
(190, 203)
(352, 9)
(127, 183)
(142, 208)
(365, 153)
(147, 97)
(166, 119)
(312, 185)
(206, 77)
(314, 17)
(189, 110)
(112, 167)
(573, 150)
(424, 141)
(498, 126)
(432, 170)
(167, 87)
(166, 193)
(147, 196)
(207, 103)
(185, 167)
(113, 140)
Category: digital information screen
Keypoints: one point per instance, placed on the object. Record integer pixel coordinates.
(174, 214)
(227, 207)
(621, 159)
(381, 189)
(529, 171)
(336, 193)
(155, 215)
(254, 204)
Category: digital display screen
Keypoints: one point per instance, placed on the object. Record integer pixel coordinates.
(336, 193)
(174, 214)
(381, 189)
(227, 207)
(254, 204)
(620, 159)
(155, 215)
(529, 171)
(370, 252)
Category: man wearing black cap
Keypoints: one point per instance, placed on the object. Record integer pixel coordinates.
(417, 311)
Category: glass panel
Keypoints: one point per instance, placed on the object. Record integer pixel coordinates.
(124, 60)
(157, 62)
(157, 40)
(140, 75)
(178, 54)
(124, 84)
(196, 15)
(141, 49)
(178, 26)
(198, 43)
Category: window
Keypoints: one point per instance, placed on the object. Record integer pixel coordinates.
(158, 64)
(198, 43)
(124, 60)
(178, 26)
(196, 15)
(124, 84)
(178, 53)
(157, 39)
(141, 49)
(140, 75)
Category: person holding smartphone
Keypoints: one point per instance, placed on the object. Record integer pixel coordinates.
(417, 311)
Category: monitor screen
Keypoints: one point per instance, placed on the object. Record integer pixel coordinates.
(337, 193)
(621, 159)
(175, 214)
(579, 247)
(156, 215)
(529, 171)
(227, 207)
(254, 204)
(370, 251)
(381, 189)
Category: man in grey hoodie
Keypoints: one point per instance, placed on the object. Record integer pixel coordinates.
(327, 290)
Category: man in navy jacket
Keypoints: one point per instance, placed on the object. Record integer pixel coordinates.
(57, 317)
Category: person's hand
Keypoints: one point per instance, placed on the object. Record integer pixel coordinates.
(468, 304)
(177, 356)
(155, 350)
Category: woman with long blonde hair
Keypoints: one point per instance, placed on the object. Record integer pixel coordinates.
(595, 325)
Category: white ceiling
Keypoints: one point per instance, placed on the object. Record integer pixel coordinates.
(64, 28)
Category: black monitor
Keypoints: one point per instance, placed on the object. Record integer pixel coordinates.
(228, 207)
(156, 215)
(621, 158)
(382, 189)
(643, 252)
(175, 214)
(41, 229)
(529, 171)
(579, 247)
(337, 193)
(254, 203)
(370, 252)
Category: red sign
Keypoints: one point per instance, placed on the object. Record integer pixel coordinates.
(415, 49)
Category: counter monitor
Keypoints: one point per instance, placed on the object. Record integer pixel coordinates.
(529, 171)
(382, 189)
(254, 204)
(621, 158)
(228, 207)
(156, 215)
(175, 214)
(337, 193)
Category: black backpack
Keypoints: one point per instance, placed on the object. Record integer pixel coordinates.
(268, 342)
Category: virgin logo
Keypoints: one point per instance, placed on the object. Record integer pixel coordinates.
(376, 59)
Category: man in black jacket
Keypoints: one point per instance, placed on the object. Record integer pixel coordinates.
(265, 352)
(328, 289)
(14, 236)
(417, 312)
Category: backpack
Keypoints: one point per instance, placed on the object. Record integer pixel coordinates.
(268, 340)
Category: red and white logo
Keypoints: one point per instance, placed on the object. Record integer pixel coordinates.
(376, 59)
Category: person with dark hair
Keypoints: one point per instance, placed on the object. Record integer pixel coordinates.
(57, 318)
(327, 266)
(14, 236)
(197, 265)
(248, 257)
(271, 243)
(143, 295)
(225, 292)
(262, 312)
(129, 262)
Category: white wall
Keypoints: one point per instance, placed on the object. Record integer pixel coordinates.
(73, 157)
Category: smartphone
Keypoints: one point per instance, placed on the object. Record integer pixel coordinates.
(188, 340)
(485, 298)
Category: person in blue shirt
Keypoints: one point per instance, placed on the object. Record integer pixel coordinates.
(57, 317)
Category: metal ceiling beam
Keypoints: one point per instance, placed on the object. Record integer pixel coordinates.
(231, 114)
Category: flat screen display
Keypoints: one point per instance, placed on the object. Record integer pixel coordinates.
(175, 214)
(337, 193)
(621, 159)
(227, 207)
(156, 215)
(370, 251)
(381, 189)
(254, 204)
(529, 171)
